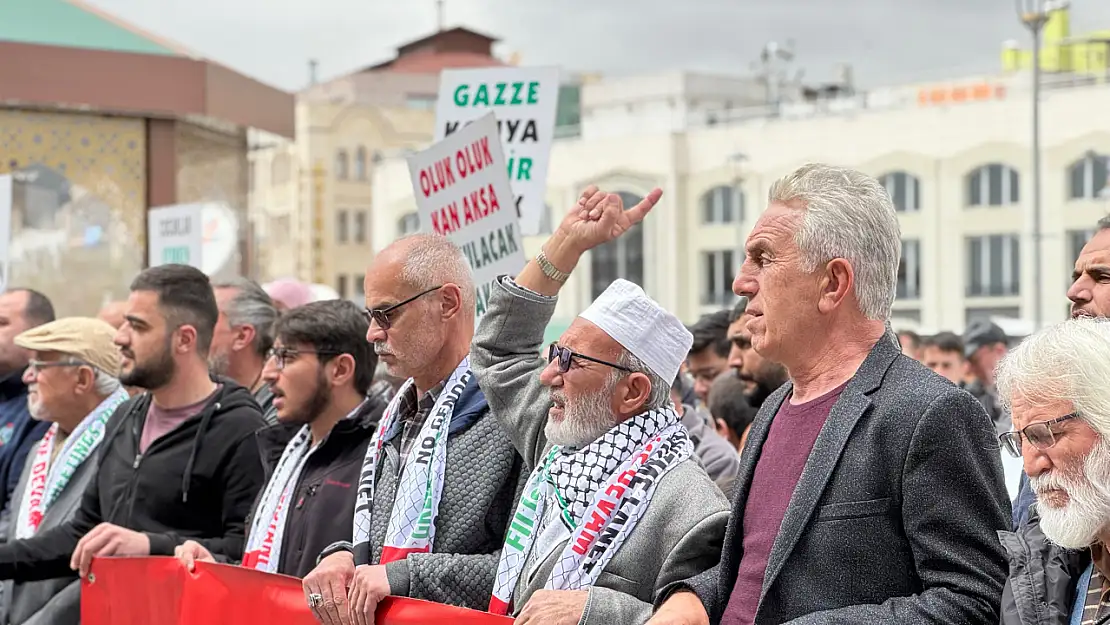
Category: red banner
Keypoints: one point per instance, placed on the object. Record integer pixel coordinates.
(159, 591)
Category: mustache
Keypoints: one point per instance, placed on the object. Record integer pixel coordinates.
(382, 348)
(127, 353)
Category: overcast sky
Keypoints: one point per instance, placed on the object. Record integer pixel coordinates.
(886, 41)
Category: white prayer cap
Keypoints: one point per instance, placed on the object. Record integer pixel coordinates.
(641, 326)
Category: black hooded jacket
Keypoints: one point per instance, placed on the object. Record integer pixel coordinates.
(198, 481)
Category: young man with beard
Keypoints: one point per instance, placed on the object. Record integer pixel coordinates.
(179, 461)
(1055, 384)
(243, 336)
(761, 376)
(617, 507)
(320, 369)
(438, 479)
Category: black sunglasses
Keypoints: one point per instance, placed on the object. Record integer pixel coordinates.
(1039, 435)
(566, 356)
(381, 315)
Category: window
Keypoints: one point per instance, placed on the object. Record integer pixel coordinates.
(360, 163)
(993, 185)
(341, 286)
(357, 283)
(279, 169)
(722, 205)
(360, 227)
(408, 224)
(1076, 240)
(994, 265)
(622, 258)
(904, 190)
(341, 164)
(718, 271)
(1088, 177)
(909, 270)
(341, 234)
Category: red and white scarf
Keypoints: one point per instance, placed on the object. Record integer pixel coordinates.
(411, 526)
(48, 479)
(263, 549)
(602, 490)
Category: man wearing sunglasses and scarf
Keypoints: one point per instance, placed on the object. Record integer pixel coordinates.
(617, 506)
(1054, 383)
(439, 478)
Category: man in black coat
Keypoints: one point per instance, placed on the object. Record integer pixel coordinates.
(871, 489)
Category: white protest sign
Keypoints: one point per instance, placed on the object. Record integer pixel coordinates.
(462, 191)
(524, 100)
(6, 206)
(175, 235)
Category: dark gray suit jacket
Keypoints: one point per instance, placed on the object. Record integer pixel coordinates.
(895, 517)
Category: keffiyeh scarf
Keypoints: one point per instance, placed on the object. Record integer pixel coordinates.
(411, 526)
(49, 478)
(602, 490)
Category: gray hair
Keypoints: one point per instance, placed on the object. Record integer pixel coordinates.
(251, 306)
(660, 391)
(432, 260)
(105, 383)
(1104, 223)
(847, 215)
(1066, 361)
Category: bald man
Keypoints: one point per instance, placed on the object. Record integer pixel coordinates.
(112, 313)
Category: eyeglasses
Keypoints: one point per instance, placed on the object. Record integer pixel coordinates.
(36, 366)
(1039, 435)
(283, 355)
(381, 315)
(565, 357)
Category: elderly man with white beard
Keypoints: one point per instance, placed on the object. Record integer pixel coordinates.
(1055, 383)
(616, 507)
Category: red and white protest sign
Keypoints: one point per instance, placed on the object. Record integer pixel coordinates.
(462, 191)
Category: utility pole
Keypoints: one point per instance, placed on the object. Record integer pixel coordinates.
(439, 16)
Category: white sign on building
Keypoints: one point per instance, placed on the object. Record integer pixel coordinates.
(175, 235)
(524, 100)
(462, 191)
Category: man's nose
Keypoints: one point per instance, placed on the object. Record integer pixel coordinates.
(1035, 461)
(744, 284)
(375, 333)
(551, 376)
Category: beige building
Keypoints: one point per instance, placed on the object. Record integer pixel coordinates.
(955, 156)
(311, 200)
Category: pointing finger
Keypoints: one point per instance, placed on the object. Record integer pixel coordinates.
(637, 213)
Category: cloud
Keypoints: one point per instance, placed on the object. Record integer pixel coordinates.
(886, 42)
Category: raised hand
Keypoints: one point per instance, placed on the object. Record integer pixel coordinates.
(600, 217)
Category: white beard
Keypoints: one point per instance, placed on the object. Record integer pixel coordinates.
(584, 420)
(1078, 524)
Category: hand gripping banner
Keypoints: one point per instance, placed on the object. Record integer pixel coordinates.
(159, 591)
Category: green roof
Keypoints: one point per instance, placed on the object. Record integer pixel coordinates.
(60, 23)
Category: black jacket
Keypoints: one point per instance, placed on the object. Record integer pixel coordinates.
(324, 498)
(198, 481)
(896, 516)
(1043, 576)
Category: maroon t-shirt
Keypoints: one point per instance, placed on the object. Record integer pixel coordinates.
(784, 455)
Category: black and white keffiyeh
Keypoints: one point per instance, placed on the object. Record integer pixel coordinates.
(602, 490)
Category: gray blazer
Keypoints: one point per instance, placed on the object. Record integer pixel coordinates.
(896, 516)
(680, 533)
(51, 601)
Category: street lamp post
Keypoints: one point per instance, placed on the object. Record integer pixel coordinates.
(1034, 14)
(736, 165)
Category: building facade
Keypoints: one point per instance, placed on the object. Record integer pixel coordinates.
(88, 157)
(955, 157)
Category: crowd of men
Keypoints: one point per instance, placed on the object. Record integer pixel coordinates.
(790, 460)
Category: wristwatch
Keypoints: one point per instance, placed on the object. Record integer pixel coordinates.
(550, 270)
